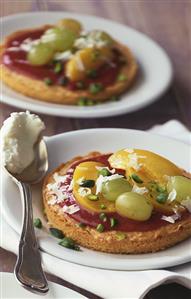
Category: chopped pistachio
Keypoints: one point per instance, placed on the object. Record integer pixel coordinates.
(160, 189)
(37, 223)
(136, 178)
(154, 186)
(48, 81)
(162, 197)
(87, 183)
(69, 243)
(57, 233)
(121, 78)
(102, 207)
(82, 101)
(58, 67)
(82, 225)
(93, 197)
(120, 236)
(100, 228)
(95, 88)
(105, 172)
(113, 222)
(103, 217)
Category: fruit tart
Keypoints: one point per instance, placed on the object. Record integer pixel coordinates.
(130, 201)
(64, 64)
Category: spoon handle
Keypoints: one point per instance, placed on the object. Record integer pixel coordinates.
(28, 269)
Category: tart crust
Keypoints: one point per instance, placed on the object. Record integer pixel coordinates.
(134, 242)
(57, 94)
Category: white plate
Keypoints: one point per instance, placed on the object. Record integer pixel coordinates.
(154, 76)
(10, 288)
(65, 146)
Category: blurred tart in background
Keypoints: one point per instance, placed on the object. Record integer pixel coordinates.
(64, 64)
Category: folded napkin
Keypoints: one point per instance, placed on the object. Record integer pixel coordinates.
(173, 129)
(130, 284)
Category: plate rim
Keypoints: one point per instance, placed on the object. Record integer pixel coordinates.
(164, 262)
(81, 131)
(118, 109)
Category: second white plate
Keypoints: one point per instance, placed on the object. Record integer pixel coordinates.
(155, 71)
(65, 146)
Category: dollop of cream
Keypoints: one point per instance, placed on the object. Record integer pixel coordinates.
(18, 136)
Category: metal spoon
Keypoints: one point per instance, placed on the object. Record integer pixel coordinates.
(28, 270)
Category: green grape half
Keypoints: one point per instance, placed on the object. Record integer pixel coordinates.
(112, 189)
(134, 206)
(60, 39)
(182, 185)
(71, 24)
(40, 54)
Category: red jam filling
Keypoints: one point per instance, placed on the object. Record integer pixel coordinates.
(124, 224)
(16, 60)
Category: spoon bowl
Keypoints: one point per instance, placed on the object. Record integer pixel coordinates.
(37, 169)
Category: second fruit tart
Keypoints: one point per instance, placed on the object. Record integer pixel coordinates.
(64, 64)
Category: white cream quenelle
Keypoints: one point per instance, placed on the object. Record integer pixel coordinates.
(18, 136)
